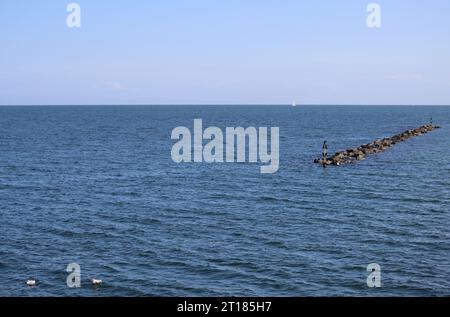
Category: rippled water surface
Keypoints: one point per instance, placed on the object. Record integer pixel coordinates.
(97, 186)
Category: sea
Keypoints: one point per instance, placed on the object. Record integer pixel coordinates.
(97, 186)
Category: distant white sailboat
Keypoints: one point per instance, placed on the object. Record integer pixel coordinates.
(294, 104)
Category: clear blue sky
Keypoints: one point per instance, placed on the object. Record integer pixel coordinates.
(224, 52)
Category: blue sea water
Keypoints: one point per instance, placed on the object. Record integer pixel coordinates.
(97, 186)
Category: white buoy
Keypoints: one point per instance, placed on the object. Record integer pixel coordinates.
(96, 282)
(31, 283)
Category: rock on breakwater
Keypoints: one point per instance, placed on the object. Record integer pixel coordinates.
(377, 146)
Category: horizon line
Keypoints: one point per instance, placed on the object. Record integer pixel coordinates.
(223, 105)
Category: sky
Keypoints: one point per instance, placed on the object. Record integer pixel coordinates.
(224, 52)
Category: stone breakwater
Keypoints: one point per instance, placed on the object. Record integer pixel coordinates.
(360, 153)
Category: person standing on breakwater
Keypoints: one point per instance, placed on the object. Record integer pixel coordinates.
(324, 153)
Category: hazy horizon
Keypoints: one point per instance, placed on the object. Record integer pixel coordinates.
(221, 105)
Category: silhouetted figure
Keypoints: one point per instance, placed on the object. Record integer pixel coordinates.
(324, 153)
(431, 121)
